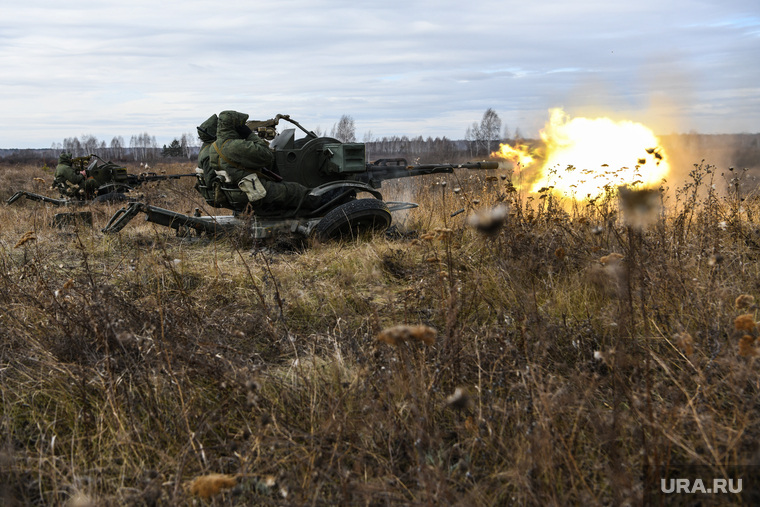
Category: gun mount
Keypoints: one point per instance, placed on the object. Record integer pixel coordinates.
(326, 165)
(113, 182)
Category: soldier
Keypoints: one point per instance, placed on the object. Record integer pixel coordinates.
(238, 155)
(71, 182)
(208, 183)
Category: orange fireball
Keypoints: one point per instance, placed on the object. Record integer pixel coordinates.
(583, 156)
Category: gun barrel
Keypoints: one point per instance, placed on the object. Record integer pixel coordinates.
(486, 164)
(139, 179)
(37, 197)
(161, 177)
(388, 169)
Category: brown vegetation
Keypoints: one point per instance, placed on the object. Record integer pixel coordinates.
(548, 352)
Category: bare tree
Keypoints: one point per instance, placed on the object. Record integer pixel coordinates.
(344, 130)
(490, 129)
(72, 145)
(184, 146)
(55, 150)
(484, 135)
(367, 141)
(133, 147)
(117, 148)
(89, 144)
(518, 134)
(471, 135)
(187, 143)
(153, 145)
(144, 146)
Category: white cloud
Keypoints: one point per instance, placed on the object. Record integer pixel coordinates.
(414, 68)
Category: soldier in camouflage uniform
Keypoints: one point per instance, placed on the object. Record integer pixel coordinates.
(238, 155)
(208, 183)
(71, 182)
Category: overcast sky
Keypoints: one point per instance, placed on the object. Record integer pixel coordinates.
(409, 67)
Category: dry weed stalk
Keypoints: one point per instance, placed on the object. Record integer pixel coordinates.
(209, 485)
(489, 222)
(744, 301)
(745, 323)
(747, 346)
(27, 237)
(641, 207)
(685, 343)
(460, 399)
(146, 364)
(397, 335)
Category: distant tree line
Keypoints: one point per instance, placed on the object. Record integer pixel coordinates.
(415, 149)
(481, 138)
(141, 147)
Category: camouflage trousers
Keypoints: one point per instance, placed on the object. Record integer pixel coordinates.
(286, 194)
(88, 187)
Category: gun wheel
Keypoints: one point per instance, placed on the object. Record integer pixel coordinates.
(352, 219)
(111, 197)
(113, 188)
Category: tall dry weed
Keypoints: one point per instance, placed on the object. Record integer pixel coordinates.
(575, 351)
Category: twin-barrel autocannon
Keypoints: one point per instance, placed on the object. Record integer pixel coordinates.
(111, 180)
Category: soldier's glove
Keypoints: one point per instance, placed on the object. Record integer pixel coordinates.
(243, 131)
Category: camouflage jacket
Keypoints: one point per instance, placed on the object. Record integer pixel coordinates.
(235, 157)
(67, 176)
(207, 135)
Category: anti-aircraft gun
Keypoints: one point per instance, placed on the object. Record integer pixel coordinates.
(112, 179)
(335, 170)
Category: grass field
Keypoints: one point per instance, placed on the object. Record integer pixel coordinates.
(526, 351)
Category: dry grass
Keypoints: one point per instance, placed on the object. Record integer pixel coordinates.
(548, 354)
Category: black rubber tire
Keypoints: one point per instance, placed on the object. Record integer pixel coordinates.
(349, 220)
(111, 197)
(111, 188)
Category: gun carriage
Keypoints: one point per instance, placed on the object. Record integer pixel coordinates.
(113, 182)
(335, 170)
